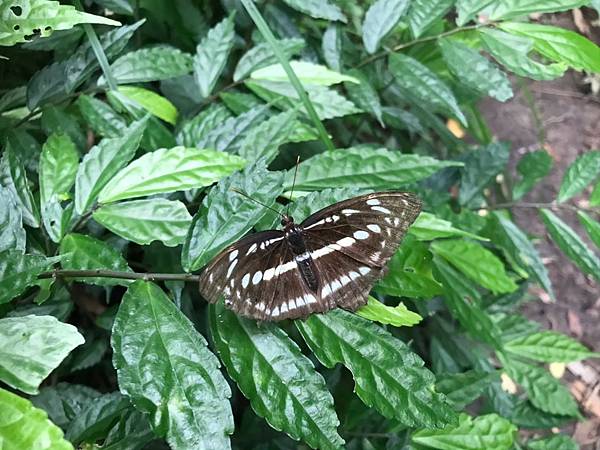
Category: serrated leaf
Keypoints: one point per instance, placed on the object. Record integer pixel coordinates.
(24, 426)
(464, 388)
(381, 18)
(507, 9)
(467, 9)
(19, 271)
(80, 252)
(489, 431)
(102, 163)
(211, 55)
(169, 170)
(58, 167)
(481, 167)
(428, 227)
(364, 95)
(100, 117)
(571, 244)
(592, 227)
(548, 346)
(387, 375)
(318, 9)
(12, 233)
(363, 168)
(262, 55)
(152, 102)
(398, 316)
(532, 167)
(424, 13)
(180, 386)
(579, 174)
(33, 346)
(145, 221)
(478, 263)
(297, 401)
(225, 216)
(556, 442)
(194, 131)
(415, 78)
(307, 73)
(263, 141)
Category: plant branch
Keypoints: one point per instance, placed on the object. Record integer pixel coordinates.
(101, 273)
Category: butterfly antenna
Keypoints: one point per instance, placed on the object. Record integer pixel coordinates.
(293, 184)
(257, 201)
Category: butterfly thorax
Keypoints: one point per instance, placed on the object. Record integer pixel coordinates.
(294, 236)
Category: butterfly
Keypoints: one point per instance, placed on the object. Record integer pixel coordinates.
(331, 259)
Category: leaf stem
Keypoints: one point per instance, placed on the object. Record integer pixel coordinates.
(102, 273)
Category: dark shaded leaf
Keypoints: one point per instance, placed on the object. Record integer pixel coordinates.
(481, 167)
(424, 13)
(19, 271)
(532, 167)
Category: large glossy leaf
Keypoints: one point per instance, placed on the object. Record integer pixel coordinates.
(398, 316)
(58, 167)
(532, 167)
(264, 140)
(579, 174)
(507, 9)
(168, 170)
(364, 168)
(80, 252)
(32, 347)
(26, 427)
(145, 221)
(307, 73)
(319, 9)
(12, 233)
(481, 167)
(424, 13)
(211, 55)
(388, 376)
(490, 432)
(418, 80)
(549, 346)
(194, 131)
(428, 227)
(571, 244)
(152, 102)
(102, 163)
(225, 216)
(592, 227)
(164, 366)
(262, 55)
(19, 271)
(280, 382)
(381, 18)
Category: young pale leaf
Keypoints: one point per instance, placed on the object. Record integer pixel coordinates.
(80, 252)
(58, 167)
(424, 85)
(225, 216)
(26, 427)
(331, 45)
(180, 386)
(556, 442)
(464, 388)
(145, 221)
(12, 233)
(532, 167)
(398, 316)
(467, 9)
(262, 55)
(196, 129)
(19, 271)
(211, 55)
(424, 13)
(428, 227)
(592, 227)
(475, 71)
(571, 244)
(32, 347)
(102, 162)
(479, 264)
(100, 117)
(14, 178)
(508, 9)
(579, 174)
(263, 141)
(152, 102)
(363, 168)
(295, 398)
(319, 9)
(365, 95)
(307, 73)
(381, 18)
(481, 167)
(169, 170)
(388, 376)
(150, 64)
(548, 346)
(489, 432)
(22, 21)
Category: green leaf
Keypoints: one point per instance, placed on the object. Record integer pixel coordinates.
(428, 227)
(307, 72)
(14, 178)
(512, 52)
(150, 64)
(194, 131)
(12, 233)
(63, 402)
(58, 167)
(467, 9)
(155, 104)
(571, 244)
(387, 375)
(424, 13)
(424, 85)
(80, 252)
(365, 95)
(463, 389)
(263, 141)
(331, 45)
(19, 271)
(32, 347)
(169, 170)
(102, 163)
(381, 18)
(532, 167)
(21, 19)
(479, 264)
(211, 55)
(26, 427)
(180, 386)
(296, 401)
(556, 442)
(508, 9)
(489, 431)
(145, 221)
(262, 56)
(398, 316)
(225, 216)
(131, 433)
(544, 391)
(481, 167)
(318, 9)
(475, 71)
(363, 168)
(58, 120)
(592, 227)
(548, 346)
(579, 174)
(100, 117)
(595, 195)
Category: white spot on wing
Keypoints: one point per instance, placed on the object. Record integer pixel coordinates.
(257, 277)
(299, 301)
(344, 279)
(349, 212)
(260, 306)
(252, 249)
(373, 201)
(326, 290)
(245, 280)
(381, 209)
(303, 256)
(346, 242)
(309, 298)
(361, 235)
(284, 308)
(231, 267)
(335, 285)
(233, 254)
(364, 270)
(269, 274)
(353, 275)
(374, 228)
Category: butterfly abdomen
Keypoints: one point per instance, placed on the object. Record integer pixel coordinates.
(306, 266)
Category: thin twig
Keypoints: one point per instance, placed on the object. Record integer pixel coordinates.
(102, 273)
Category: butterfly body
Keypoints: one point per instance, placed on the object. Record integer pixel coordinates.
(331, 259)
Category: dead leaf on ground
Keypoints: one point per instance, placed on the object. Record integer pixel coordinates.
(574, 323)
